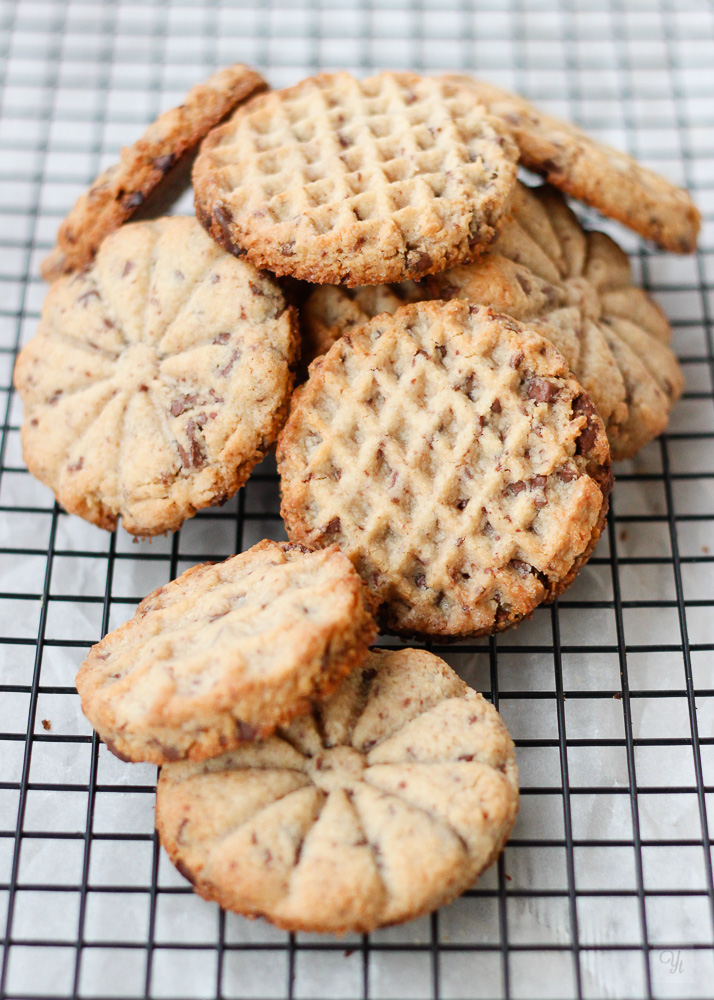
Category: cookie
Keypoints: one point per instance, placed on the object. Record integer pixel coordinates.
(338, 180)
(125, 187)
(158, 377)
(385, 803)
(451, 454)
(575, 287)
(331, 311)
(609, 180)
(226, 653)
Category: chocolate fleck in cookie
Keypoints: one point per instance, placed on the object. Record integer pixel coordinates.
(451, 454)
(609, 180)
(575, 287)
(227, 652)
(357, 182)
(124, 188)
(158, 377)
(385, 803)
(331, 311)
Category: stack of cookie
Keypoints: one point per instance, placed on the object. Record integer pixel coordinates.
(476, 359)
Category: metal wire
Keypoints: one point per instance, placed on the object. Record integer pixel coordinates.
(606, 888)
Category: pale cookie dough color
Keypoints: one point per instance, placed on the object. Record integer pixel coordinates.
(575, 287)
(451, 454)
(158, 377)
(609, 180)
(226, 653)
(124, 188)
(357, 182)
(384, 804)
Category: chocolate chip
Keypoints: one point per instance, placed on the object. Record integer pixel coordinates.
(288, 249)
(333, 527)
(524, 283)
(516, 487)
(420, 581)
(87, 296)
(222, 215)
(522, 567)
(517, 359)
(462, 504)
(567, 475)
(164, 163)
(76, 466)
(447, 292)
(184, 403)
(245, 730)
(582, 404)
(222, 338)
(541, 390)
(417, 261)
(496, 406)
(255, 289)
(537, 481)
(129, 266)
(233, 358)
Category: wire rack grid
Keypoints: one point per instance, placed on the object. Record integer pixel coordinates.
(605, 889)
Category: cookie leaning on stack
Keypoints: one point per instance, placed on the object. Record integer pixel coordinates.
(449, 452)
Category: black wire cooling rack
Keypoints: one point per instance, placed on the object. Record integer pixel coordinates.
(605, 889)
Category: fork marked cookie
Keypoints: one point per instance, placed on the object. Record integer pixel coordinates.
(157, 379)
(575, 287)
(357, 182)
(385, 803)
(609, 180)
(227, 652)
(124, 188)
(449, 452)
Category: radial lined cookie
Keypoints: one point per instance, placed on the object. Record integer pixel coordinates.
(449, 452)
(226, 653)
(576, 288)
(123, 188)
(357, 182)
(609, 180)
(158, 377)
(385, 803)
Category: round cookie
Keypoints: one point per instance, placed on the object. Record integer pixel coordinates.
(609, 180)
(157, 379)
(451, 454)
(575, 287)
(227, 652)
(357, 182)
(123, 188)
(385, 803)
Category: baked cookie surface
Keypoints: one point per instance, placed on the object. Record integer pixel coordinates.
(575, 287)
(123, 188)
(382, 805)
(157, 378)
(449, 452)
(357, 182)
(226, 652)
(609, 180)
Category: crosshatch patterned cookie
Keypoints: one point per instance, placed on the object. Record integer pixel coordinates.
(607, 179)
(451, 454)
(124, 188)
(575, 287)
(357, 182)
(226, 653)
(385, 803)
(157, 379)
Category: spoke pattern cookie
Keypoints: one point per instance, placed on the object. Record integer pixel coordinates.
(226, 653)
(609, 180)
(332, 311)
(357, 182)
(385, 803)
(449, 452)
(575, 287)
(158, 377)
(124, 188)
